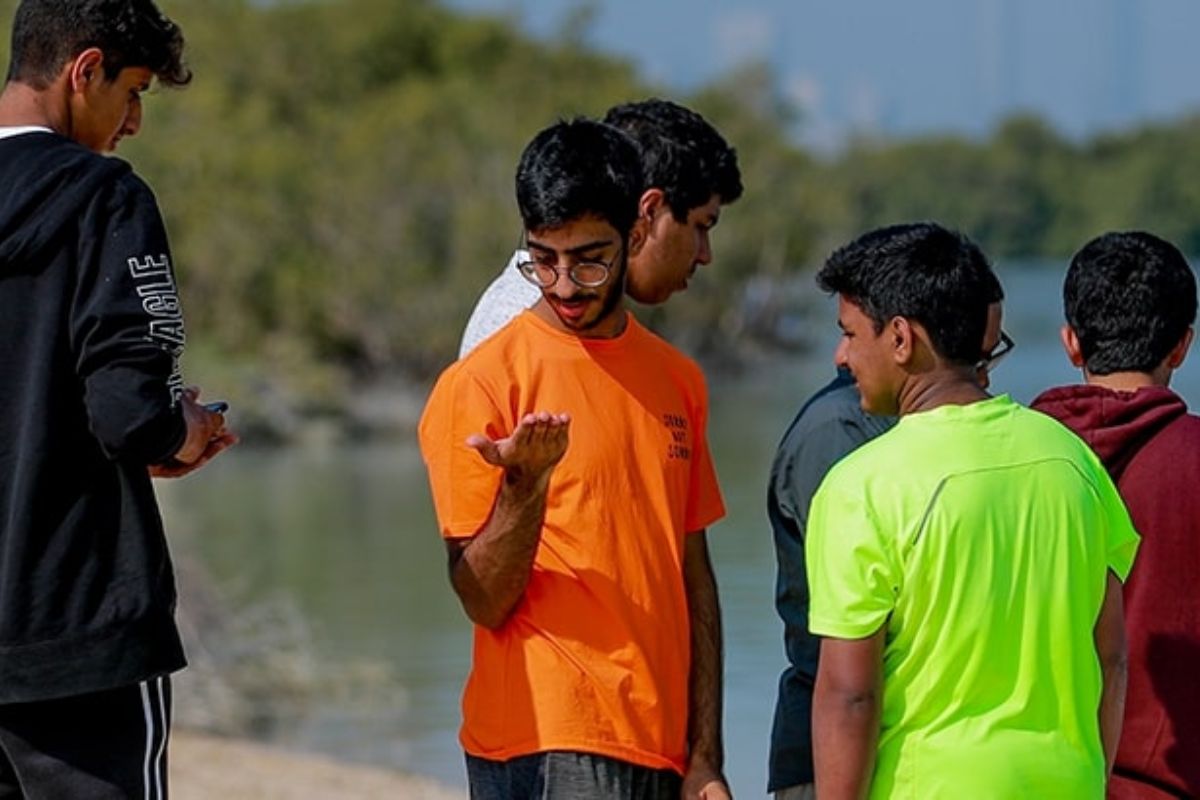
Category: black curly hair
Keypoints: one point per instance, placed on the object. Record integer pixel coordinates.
(924, 272)
(47, 34)
(1130, 298)
(681, 153)
(575, 169)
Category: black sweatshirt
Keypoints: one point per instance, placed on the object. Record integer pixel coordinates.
(90, 337)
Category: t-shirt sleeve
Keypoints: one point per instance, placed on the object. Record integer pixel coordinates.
(463, 485)
(705, 505)
(1121, 538)
(853, 571)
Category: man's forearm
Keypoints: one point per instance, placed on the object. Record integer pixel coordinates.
(490, 571)
(846, 714)
(704, 684)
(845, 731)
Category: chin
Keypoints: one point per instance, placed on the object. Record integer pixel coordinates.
(658, 297)
(870, 405)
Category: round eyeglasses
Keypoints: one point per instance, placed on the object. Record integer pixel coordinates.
(586, 274)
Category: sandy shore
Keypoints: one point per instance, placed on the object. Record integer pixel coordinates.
(210, 768)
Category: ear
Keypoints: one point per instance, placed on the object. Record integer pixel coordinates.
(85, 68)
(1070, 343)
(637, 236)
(649, 207)
(903, 339)
(652, 203)
(1179, 352)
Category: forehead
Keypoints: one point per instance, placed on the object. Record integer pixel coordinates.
(850, 314)
(134, 76)
(710, 209)
(581, 232)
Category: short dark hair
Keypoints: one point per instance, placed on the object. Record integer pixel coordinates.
(1130, 297)
(682, 154)
(922, 271)
(47, 34)
(576, 169)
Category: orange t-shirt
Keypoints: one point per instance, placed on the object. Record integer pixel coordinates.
(595, 656)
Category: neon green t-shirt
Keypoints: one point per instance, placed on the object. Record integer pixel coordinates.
(980, 536)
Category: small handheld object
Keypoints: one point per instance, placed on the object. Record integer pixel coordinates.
(217, 407)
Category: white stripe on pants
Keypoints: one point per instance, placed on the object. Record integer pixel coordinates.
(157, 731)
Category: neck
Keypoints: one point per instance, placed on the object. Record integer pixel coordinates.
(947, 387)
(21, 105)
(1127, 381)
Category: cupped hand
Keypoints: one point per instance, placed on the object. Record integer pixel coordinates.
(538, 443)
(177, 469)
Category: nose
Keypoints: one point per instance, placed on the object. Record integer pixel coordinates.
(841, 353)
(133, 119)
(563, 286)
(704, 253)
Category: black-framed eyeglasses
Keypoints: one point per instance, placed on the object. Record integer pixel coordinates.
(996, 354)
(587, 274)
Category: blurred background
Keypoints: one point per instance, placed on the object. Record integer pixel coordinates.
(337, 184)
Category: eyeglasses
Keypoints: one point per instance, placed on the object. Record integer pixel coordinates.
(996, 354)
(586, 274)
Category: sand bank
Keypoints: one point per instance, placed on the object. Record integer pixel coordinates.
(211, 768)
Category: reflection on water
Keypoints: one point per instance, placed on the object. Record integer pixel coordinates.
(348, 534)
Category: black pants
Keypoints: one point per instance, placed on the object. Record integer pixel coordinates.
(108, 745)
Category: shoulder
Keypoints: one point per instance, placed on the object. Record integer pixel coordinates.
(456, 390)
(882, 454)
(503, 357)
(93, 167)
(510, 334)
(665, 355)
(1044, 431)
(132, 186)
(830, 425)
(1039, 438)
(1178, 444)
(1036, 415)
(55, 160)
(840, 404)
(1189, 425)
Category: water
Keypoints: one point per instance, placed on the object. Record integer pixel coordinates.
(347, 534)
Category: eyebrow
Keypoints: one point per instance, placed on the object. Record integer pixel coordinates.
(573, 251)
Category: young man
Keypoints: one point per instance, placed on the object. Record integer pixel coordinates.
(690, 172)
(829, 425)
(964, 565)
(1130, 303)
(573, 485)
(91, 405)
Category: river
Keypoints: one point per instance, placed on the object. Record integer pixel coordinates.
(345, 536)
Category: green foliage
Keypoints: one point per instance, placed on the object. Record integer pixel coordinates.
(339, 175)
(338, 181)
